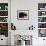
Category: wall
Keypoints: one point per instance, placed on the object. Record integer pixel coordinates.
(32, 6)
(24, 5)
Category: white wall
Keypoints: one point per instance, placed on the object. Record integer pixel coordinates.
(24, 5)
(32, 6)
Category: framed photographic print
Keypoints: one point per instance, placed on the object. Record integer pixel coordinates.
(23, 14)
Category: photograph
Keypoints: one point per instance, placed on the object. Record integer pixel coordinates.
(23, 14)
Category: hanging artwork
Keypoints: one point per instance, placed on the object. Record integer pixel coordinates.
(22, 14)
